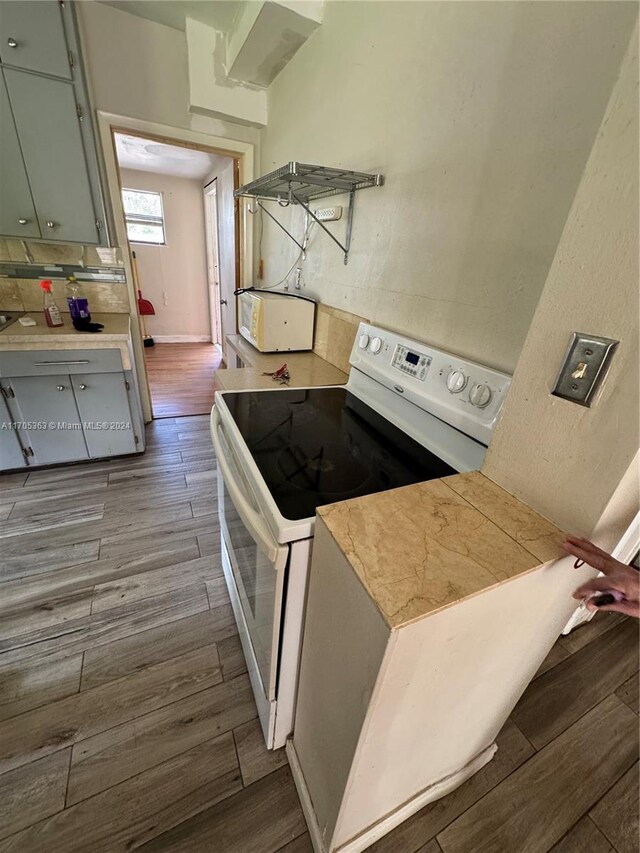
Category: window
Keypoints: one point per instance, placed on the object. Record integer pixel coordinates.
(144, 217)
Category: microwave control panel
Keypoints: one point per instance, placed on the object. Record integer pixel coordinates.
(410, 362)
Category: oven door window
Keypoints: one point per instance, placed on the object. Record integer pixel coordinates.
(259, 583)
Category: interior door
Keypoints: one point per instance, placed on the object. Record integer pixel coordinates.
(216, 302)
(17, 213)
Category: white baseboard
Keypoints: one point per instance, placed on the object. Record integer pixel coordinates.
(378, 830)
(181, 339)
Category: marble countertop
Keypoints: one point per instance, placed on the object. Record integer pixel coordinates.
(419, 548)
(306, 368)
(116, 329)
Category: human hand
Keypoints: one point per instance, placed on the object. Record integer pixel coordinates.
(619, 578)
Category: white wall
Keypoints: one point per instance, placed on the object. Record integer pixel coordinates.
(223, 173)
(481, 116)
(174, 277)
(139, 68)
(562, 459)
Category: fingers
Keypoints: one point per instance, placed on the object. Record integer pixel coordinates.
(595, 585)
(629, 608)
(596, 561)
(586, 545)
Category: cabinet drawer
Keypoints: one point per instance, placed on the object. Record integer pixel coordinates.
(52, 362)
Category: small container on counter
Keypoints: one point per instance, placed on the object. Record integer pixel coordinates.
(52, 314)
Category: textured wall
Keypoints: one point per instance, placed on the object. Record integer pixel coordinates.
(564, 460)
(174, 277)
(481, 116)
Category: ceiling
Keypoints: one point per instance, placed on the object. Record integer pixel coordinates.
(146, 155)
(219, 14)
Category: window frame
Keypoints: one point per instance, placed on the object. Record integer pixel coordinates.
(144, 219)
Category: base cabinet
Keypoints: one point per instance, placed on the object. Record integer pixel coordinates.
(48, 417)
(53, 412)
(12, 454)
(103, 406)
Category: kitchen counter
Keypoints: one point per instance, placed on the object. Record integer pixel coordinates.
(115, 335)
(116, 328)
(420, 548)
(444, 598)
(306, 368)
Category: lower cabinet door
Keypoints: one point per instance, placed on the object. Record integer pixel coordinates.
(49, 417)
(103, 404)
(11, 455)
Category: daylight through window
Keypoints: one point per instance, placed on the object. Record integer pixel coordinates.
(144, 216)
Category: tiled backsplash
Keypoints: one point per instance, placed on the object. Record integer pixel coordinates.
(31, 251)
(26, 295)
(334, 335)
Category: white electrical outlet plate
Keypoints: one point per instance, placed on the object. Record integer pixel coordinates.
(328, 214)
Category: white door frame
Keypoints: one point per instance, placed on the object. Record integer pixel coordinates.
(212, 242)
(244, 152)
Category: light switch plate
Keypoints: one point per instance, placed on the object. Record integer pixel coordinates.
(584, 367)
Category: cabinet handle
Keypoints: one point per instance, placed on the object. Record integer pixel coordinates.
(51, 224)
(47, 363)
(23, 221)
(12, 42)
(82, 387)
(60, 387)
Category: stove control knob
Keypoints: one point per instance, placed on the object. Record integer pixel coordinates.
(456, 381)
(363, 343)
(376, 345)
(480, 396)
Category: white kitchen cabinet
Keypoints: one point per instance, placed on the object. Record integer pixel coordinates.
(391, 717)
(32, 37)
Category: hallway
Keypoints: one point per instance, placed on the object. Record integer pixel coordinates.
(181, 378)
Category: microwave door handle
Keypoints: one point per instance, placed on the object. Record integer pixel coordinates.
(252, 520)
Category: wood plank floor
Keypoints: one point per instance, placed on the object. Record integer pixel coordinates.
(126, 715)
(181, 378)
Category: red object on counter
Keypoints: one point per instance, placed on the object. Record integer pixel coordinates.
(52, 314)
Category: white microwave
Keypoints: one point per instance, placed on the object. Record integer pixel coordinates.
(274, 322)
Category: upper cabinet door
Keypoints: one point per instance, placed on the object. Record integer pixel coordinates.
(32, 36)
(17, 213)
(45, 112)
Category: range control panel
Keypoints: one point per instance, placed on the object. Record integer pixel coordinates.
(463, 393)
(410, 361)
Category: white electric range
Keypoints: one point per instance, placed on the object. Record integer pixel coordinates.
(408, 413)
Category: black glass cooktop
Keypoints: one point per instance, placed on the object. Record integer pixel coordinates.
(321, 445)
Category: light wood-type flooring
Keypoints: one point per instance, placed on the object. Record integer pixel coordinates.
(127, 720)
(181, 378)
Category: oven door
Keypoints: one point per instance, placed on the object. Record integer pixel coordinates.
(257, 561)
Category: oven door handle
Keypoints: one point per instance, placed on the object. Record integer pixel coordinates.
(252, 520)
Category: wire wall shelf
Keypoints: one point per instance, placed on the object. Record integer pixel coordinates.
(301, 183)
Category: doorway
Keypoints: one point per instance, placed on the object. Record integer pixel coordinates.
(177, 199)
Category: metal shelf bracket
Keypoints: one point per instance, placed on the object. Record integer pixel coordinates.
(299, 183)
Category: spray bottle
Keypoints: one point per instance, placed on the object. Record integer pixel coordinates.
(52, 314)
(78, 304)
